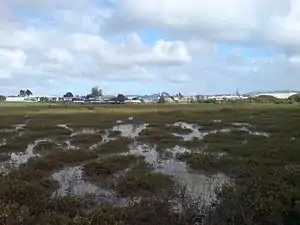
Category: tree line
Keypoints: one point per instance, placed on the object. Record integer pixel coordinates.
(24, 93)
(96, 94)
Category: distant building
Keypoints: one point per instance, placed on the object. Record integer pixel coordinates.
(225, 97)
(32, 98)
(15, 99)
(280, 95)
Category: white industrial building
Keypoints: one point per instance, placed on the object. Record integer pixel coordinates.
(280, 95)
(225, 97)
(32, 98)
(15, 99)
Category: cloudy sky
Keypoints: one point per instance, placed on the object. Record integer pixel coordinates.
(149, 46)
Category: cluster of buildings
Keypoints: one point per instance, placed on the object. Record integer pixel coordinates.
(145, 99)
(109, 99)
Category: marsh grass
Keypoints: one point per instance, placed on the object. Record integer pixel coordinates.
(44, 130)
(271, 197)
(116, 146)
(27, 189)
(229, 142)
(265, 170)
(211, 163)
(146, 211)
(195, 144)
(5, 134)
(141, 181)
(178, 129)
(159, 137)
(15, 144)
(114, 134)
(38, 168)
(4, 157)
(47, 147)
(99, 170)
(86, 140)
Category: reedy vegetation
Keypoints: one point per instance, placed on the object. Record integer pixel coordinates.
(265, 170)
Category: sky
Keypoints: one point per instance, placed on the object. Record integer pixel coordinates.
(149, 46)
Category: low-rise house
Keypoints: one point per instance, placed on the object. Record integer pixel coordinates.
(133, 100)
(225, 97)
(149, 98)
(49, 98)
(78, 100)
(108, 97)
(15, 99)
(33, 98)
(68, 99)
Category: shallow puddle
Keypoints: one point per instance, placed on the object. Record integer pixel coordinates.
(178, 150)
(241, 124)
(16, 159)
(195, 133)
(65, 126)
(239, 127)
(71, 182)
(20, 128)
(2, 142)
(84, 131)
(150, 154)
(6, 130)
(105, 138)
(130, 130)
(256, 133)
(198, 185)
(69, 146)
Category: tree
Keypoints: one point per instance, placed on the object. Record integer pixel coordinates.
(295, 98)
(68, 95)
(180, 96)
(120, 98)
(161, 99)
(28, 92)
(22, 93)
(2, 98)
(96, 92)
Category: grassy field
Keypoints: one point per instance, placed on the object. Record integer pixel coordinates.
(150, 164)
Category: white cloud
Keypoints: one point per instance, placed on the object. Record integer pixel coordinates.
(275, 21)
(161, 43)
